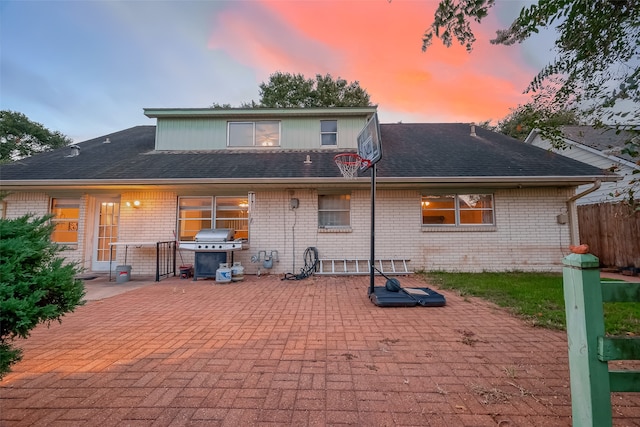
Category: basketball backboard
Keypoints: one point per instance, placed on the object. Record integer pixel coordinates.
(369, 143)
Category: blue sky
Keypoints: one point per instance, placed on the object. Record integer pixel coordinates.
(88, 68)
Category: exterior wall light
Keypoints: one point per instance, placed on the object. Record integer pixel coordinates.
(135, 204)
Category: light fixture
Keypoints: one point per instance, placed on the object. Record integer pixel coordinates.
(425, 203)
(135, 204)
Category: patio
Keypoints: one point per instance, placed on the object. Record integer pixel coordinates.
(271, 352)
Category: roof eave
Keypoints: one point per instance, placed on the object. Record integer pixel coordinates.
(512, 181)
(550, 180)
(255, 112)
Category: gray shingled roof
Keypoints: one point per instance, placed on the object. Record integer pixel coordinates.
(606, 140)
(409, 151)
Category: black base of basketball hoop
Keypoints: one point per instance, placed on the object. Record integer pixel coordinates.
(349, 163)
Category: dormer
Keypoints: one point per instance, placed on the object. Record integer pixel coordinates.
(205, 129)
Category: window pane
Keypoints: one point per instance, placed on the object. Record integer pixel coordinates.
(438, 210)
(475, 201)
(231, 203)
(233, 213)
(195, 203)
(328, 126)
(334, 210)
(267, 134)
(194, 214)
(329, 139)
(333, 219)
(66, 215)
(334, 201)
(329, 132)
(476, 208)
(240, 134)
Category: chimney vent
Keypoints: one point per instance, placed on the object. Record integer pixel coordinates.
(106, 141)
(473, 130)
(75, 151)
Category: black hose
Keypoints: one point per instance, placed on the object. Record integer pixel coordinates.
(310, 265)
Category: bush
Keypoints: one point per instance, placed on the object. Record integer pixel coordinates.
(35, 284)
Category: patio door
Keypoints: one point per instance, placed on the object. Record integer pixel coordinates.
(106, 231)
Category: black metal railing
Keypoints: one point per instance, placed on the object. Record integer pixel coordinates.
(165, 259)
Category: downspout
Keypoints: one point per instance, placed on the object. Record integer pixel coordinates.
(572, 211)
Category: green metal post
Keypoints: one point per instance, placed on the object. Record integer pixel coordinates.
(590, 392)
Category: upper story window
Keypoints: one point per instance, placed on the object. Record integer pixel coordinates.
(253, 134)
(334, 210)
(196, 213)
(66, 217)
(328, 132)
(457, 210)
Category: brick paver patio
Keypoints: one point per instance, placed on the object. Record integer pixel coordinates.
(271, 352)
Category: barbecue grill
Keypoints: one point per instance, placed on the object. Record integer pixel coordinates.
(212, 247)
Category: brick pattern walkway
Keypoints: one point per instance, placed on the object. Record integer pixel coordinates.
(270, 352)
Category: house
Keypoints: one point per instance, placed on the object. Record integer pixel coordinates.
(602, 148)
(449, 196)
(606, 222)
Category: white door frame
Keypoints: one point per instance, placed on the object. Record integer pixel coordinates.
(106, 225)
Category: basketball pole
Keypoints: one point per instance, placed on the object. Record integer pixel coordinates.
(373, 230)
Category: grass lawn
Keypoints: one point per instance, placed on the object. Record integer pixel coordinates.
(535, 297)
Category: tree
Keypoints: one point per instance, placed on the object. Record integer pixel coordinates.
(596, 72)
(525, 118)
(20, 137)
(285, 90)
(217, 106)
(35, 284)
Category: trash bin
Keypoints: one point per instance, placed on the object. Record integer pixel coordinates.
(123, 273)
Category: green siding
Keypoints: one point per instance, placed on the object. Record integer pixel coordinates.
(191, 134)
(210, 133)
(304, 133)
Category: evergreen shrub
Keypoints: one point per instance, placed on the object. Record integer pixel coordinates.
(36, 285)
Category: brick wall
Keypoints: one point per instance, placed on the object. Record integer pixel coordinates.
(526, 236)
(153, 221)
(37, 204)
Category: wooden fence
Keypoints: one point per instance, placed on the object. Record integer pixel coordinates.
(612, 232)
(590, 347)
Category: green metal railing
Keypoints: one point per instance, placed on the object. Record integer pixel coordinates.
(590, 349)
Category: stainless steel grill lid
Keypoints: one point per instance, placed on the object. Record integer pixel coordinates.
(215, 235)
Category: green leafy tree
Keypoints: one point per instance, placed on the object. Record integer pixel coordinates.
(20, 137)
(596, 71)
(217, 106)
(597, 66)
(285, 90)
(522, 120)
(36, 286)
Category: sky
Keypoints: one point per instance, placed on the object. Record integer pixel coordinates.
(89, 68)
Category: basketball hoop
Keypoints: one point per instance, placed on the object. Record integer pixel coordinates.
(349, 163)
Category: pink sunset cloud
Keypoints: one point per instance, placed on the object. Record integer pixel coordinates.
(378, 44)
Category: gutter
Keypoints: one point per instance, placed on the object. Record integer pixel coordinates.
(572, 211)
(506, 181)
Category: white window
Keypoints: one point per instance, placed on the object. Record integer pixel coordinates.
(233, 212)
(328, 132)
(334, 210)
(457, 210)
(196, 213)
(254, 134)
(66, 215)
